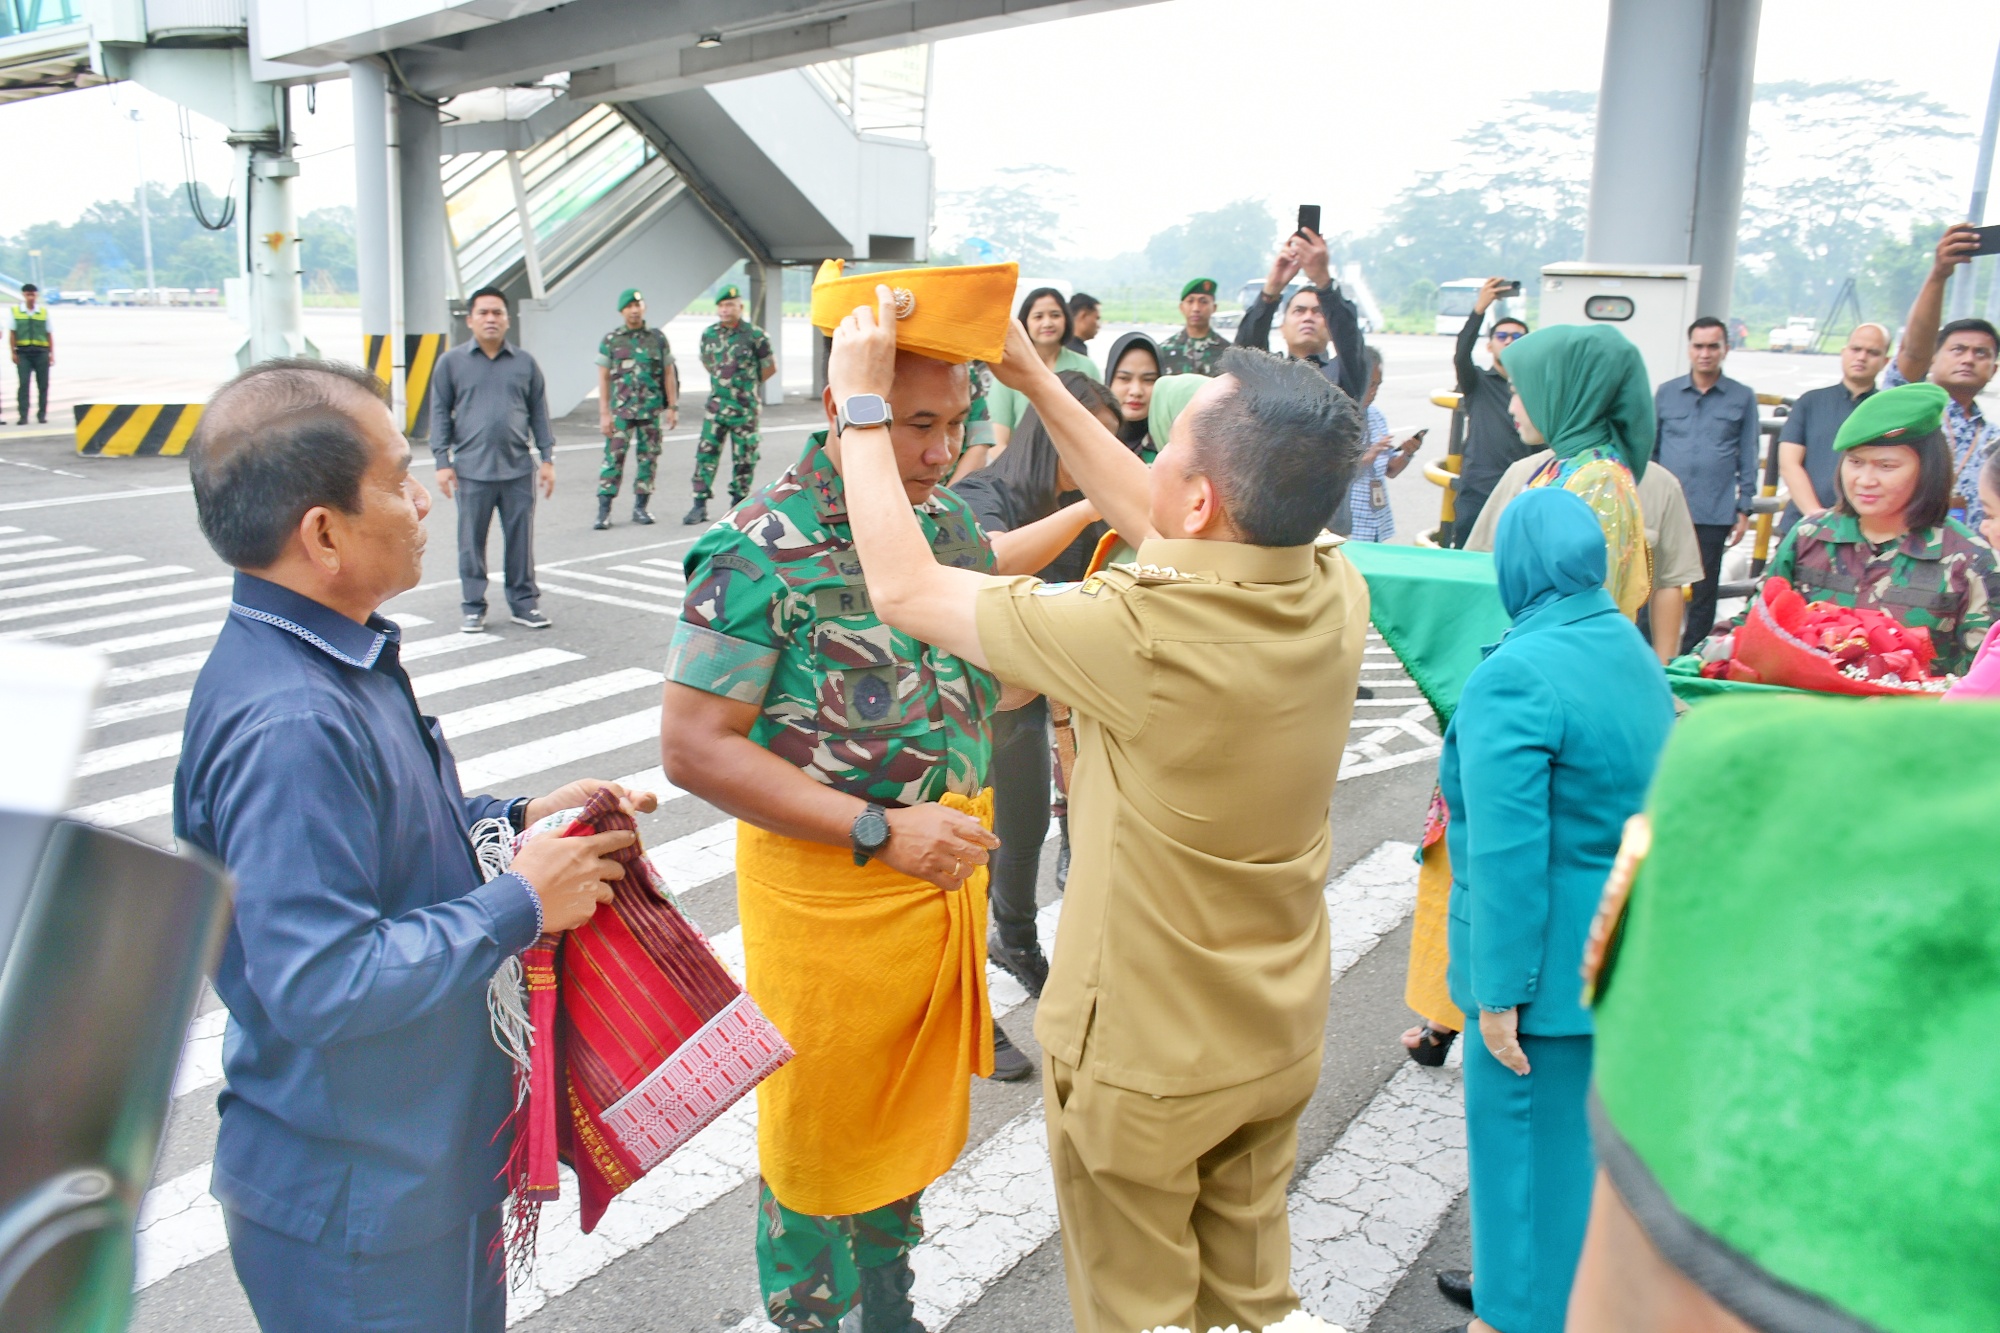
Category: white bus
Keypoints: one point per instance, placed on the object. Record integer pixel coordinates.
(1455, 300)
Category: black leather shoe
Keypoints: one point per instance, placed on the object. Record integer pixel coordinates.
(1455, 1285)
(603, 513)
(698, 514)
(886, 1306)
(639, 514)
(1009, 1065)
(1026, 965)
(1430, 1051)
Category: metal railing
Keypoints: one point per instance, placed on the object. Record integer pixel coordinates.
(884, 92)
(562, 186)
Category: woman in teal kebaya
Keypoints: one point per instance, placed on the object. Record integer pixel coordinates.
(1551, 750)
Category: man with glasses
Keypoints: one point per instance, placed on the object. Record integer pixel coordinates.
(1805, 446)
(1959, 358)
(1492, 444)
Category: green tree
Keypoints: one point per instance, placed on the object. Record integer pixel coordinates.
(1018, 219)
(326, 246)
(1231, 244)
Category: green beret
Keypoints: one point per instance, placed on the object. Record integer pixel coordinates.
(729, 293)
(628, 296)
(1795, 1091)
(1198, 287)
(1902, 415)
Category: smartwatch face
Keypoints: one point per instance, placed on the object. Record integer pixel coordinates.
(871, 830)
(866, 409)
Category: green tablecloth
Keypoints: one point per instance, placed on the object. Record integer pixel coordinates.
(1440, 609)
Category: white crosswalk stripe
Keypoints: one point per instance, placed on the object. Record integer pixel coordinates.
(120, 617)
(47, 553)
(488, 771)
(611, 599)
(90, 581)
(74, 567)
(485, 717)
(132, 643)
(497, 668)
(37, 539)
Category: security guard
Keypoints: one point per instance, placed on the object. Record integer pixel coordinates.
(856, 757)
(738, 359)
(1214, 680)
(636, 381)
(1196, 349)
(33, 350)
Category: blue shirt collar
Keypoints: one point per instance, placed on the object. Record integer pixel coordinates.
(319, 625)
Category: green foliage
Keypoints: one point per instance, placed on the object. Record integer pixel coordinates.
(103, 248)
(1231, 244)
(1018, 220)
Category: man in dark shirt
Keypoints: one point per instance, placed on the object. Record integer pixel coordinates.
(1310, 327)
(1084, 321)
(1708, 438)
(1492, 444)
(359, 1156)
(487, 402)
(1806, 459)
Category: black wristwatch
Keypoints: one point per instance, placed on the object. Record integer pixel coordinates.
(870, 833)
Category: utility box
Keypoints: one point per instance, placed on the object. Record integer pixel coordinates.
(1652, 304)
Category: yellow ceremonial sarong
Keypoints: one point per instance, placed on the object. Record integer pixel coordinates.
(1430, 949)
(878, 981)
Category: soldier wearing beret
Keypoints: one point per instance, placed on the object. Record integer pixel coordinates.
(635, 383)
(1889, 542)
(738, 359)
(1196, 349)
(1794, 1093)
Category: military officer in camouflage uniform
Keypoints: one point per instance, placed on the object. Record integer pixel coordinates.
(738, 359)
(1889, 543)
(1196, 349)
(635, 383)
(791, 704)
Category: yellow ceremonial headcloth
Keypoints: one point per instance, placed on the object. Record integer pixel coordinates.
(948, 314)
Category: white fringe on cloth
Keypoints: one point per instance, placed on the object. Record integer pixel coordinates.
(507, 992)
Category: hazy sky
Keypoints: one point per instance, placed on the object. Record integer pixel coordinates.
(1156, 111)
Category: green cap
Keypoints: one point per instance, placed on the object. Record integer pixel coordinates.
(1795, 1089)
(729, 293)
(1902, 415)
(1198, 286)
(1171, 395)
(627, 297)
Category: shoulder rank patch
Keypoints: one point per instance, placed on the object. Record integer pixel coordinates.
(1153, 573)
(742, 564)
(1054, 589)
(1326, 541)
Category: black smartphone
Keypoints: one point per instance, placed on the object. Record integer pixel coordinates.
(1989, 238)
(1511, 289)
(1309, 219)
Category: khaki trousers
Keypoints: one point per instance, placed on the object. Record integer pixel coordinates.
(1173, 1208)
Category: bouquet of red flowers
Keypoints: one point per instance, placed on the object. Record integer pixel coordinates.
(1822, 646)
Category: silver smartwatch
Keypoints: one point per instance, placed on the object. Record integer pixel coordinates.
(862, 409)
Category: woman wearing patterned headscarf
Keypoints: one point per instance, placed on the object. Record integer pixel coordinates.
(1581, 390)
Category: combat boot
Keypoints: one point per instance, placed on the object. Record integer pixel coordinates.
(886, 1306)
(639, 514)
(604, 513)
(697, 514)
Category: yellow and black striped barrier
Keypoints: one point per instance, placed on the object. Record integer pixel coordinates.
(420, 355)
(127, 430)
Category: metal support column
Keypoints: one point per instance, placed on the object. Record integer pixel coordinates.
(1673, 121)
(371, 214)
(426, 285)
(768, 288)
(1962, 284)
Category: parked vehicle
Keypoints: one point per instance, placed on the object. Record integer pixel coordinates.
(1455, 302)
(1800, 333)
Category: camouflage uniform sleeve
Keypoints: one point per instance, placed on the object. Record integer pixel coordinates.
(1784, 565)
(979, 420)
(1982, 588)
(604, 353)
(725, 642)
(666, 351)
(764, 358)
(709, 347)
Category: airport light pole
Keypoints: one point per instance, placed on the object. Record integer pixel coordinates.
(145, 208)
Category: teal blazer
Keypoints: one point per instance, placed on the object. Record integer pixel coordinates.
(1551, 750)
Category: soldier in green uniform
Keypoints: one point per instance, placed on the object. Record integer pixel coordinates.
(1196, 349)
(738, 359)
(790, 703)
(635, 383)
(32, 349)
(1889, 542)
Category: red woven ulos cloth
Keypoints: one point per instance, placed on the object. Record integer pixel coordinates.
(641, 1039)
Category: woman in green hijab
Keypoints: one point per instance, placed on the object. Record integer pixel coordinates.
(1582, 391)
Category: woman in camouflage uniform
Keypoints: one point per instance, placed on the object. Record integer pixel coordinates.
(1889, 542)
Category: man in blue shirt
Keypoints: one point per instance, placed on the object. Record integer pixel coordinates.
(359, 1156)
(1708, 439)
(1806, 459)
(1960, 358)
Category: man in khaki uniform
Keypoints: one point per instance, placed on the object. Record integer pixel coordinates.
(1669, 532)
(1213, 680)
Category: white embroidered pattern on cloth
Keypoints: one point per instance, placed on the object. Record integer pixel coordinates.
(734, 1051)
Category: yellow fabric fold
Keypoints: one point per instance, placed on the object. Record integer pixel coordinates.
(1430, 950)
(949, 314)
(878, 981)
